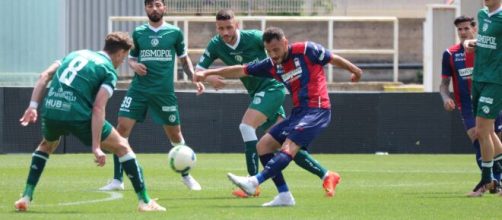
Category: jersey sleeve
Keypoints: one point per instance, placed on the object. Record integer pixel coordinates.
(109, 79)
(317, 53)
(263, 69)
(446, 67)
(208, 57)
(180, 46)
(134, 52)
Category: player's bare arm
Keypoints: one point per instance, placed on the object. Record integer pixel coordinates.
(30, 114)
(217, 82)
(186, 63)
(345, 64)
(448, 103)
(98, 119)
(236, 71)
(138, 68)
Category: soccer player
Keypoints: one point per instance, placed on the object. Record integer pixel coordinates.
(299, 67)
(152, 89)
(458, 65)
(487, 87)
(75, 104)
(234, 46)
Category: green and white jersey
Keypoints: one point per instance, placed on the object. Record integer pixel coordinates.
(488, 61)
(156, 49)
(75, 85)
(248, 49)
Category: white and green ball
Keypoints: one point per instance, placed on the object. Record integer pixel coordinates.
(181, 158)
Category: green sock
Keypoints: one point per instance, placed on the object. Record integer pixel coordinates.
(135, 174)
(118, 171)
(305, 161)
(251, 157)
(38, 161)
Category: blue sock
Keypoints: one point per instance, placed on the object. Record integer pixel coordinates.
(476, 146)
(279, 181)
(274, 166)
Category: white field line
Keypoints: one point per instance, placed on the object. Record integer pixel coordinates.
(112, 196)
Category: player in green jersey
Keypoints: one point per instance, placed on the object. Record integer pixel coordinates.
(487, 87)
(75, 104)
(235, 47)
(153, 57)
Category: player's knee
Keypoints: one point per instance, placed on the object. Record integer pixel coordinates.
(48, 146)
(248, 132)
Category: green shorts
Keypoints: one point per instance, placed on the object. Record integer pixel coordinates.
(53, 129)
(269, 103)
(486, 99)
(163, 108)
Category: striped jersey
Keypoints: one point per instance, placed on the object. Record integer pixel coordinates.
(458, 65)
(301, 72)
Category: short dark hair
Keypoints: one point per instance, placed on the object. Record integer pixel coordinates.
(150, 1)
(463, 18)
(272, 33)
(225, 14)
(116, 41)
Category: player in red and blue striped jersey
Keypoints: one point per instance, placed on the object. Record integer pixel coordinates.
(299, 67)
(458, 66)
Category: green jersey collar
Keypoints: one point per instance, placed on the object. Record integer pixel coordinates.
(161, 27)
(238, 33)
(493, 13)
(105, 55)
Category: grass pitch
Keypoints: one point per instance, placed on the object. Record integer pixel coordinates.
(372, 187)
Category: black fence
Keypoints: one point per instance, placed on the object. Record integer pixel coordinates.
(361, 123)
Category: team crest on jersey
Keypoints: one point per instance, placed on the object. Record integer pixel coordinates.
(256, 100)
(486, 109)
(485, 27)
(154, 42)
(238, 58)
(172, 118)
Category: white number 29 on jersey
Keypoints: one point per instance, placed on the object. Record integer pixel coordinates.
(70, 72)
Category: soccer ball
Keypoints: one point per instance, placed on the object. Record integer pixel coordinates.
(181, 158)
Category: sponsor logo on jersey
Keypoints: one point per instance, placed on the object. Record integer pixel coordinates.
(57, 104)
(154, 42)
(466, 72)
(487, 42)
(486, 100)
(459, 57)
(156, 55)
(292, 75)
(67, 95)
(169, 108)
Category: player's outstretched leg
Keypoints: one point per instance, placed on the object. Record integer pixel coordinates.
(135, 174)
(118, 172)
(38, 160)
(330, 179)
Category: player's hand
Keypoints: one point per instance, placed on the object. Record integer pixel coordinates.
(356, 76)
(29, 116)
(469, 45)
(449, 105)
(200, 87)
(139, 69)
(216, 82)
(199, 76)
(100, 156)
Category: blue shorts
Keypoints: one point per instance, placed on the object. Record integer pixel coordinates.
(302, 126)
(470, 122)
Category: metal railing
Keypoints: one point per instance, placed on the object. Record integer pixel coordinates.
(251, 7)
(185, 20)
